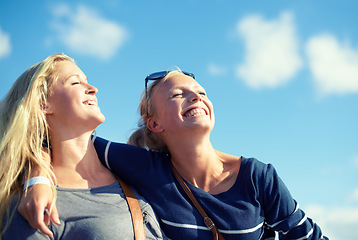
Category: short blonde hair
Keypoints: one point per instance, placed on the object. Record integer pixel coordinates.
(24, 129)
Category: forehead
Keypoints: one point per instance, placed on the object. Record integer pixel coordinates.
(179, 81)
(64, 69)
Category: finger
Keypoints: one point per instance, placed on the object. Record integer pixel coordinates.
(38, 215)
(46, 217)
(44, 229)
(35, 221)
(40, 221)
(54, 215)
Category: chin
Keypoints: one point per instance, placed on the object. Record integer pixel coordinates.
(101, 118)
(98, 120)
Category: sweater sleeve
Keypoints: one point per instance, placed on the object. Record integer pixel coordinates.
(282, 212)
(132, 164)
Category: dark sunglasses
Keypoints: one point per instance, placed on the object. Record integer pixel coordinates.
(157, 76)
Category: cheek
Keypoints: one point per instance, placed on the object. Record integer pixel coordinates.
(63, 103)
(172, 109)
(166, 117)
(167, 112)
(210, 105)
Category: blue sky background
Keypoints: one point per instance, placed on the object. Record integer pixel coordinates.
(282, 75)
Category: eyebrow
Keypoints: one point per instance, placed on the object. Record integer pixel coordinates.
(74, 75)
(183, 87)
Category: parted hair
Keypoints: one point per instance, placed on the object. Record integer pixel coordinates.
(24, 131)
(142, 136)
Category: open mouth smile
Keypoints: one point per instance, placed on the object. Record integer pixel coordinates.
(90, 102)
(195, 112)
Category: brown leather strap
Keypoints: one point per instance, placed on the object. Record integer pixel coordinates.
(208, 222)
(136, 212)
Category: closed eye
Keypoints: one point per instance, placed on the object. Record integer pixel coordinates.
(74, 83)
(177, 95)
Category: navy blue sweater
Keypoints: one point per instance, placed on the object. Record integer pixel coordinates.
(255, 207)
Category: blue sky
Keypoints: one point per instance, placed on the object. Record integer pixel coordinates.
(282, 75)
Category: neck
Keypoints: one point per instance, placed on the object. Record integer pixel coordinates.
(203, 166)
(75, 162)
(196, 161)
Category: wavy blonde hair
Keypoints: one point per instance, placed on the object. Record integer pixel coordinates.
(142, 136)
(24, 129)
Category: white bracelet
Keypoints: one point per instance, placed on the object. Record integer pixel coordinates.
(37, 180)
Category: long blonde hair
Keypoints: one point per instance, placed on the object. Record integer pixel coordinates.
(23, 130)
(142, 136)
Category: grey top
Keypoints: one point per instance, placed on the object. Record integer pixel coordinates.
(95, 213)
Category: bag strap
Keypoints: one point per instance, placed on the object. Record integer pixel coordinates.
(208, 222)
(134, 208)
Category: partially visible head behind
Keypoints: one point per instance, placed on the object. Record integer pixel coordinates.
(144, 137)
(23, 126)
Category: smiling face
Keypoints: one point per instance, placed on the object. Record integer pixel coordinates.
(72, 103)
(181, 106)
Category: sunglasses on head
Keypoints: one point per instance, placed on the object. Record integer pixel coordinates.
(157, 76)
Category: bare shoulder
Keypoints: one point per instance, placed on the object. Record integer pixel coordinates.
(231, 163)
(229, 159)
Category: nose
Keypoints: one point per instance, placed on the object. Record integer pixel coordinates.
(195, 97)
(91, 89)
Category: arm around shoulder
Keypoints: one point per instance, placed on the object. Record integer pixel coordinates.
(19, 228)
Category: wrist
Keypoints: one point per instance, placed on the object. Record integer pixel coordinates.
(37, 180)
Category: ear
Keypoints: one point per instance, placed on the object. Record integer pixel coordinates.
(46, 109)
(154, 125)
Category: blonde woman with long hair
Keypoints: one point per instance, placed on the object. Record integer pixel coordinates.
(53, 104)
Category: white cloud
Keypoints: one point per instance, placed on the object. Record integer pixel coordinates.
(217, 70)
(272, 56)
(339, 223)
(5, 46)
(354, 196)
(84, 31)
(334, 65)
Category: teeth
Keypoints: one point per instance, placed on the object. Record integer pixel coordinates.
(195, 112)
(90, 102)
